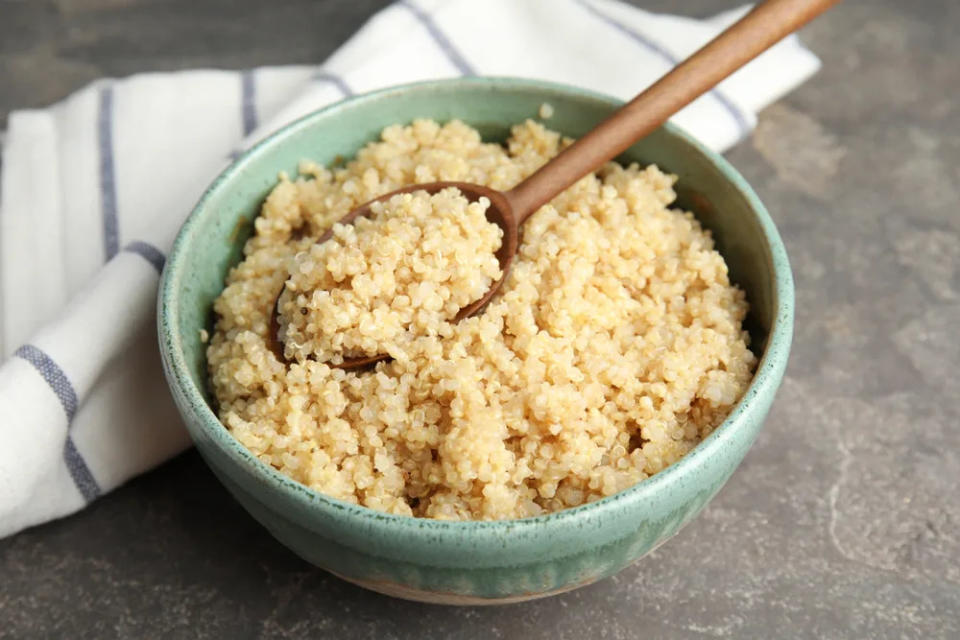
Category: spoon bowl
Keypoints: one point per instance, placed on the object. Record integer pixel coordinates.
(500, 213)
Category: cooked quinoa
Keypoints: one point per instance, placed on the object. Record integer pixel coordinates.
(614, 346)
(376, 284)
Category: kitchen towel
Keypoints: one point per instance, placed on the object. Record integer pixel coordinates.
(95, 187)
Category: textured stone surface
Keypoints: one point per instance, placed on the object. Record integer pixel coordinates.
(843, 520)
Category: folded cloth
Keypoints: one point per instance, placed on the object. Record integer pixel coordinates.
(95, 187)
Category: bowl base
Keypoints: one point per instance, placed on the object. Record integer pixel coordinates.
(404, 592)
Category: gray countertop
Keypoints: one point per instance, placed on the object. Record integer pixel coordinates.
(844, 519)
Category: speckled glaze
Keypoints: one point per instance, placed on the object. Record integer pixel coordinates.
(470, 562)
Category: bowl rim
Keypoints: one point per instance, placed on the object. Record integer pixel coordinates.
(765, 381)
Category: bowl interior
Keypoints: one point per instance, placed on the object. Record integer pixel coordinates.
(212, 240)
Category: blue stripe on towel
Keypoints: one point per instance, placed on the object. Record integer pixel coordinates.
(80, 472)
(148, 252)
(248, 100)
(108, 185)
(54, 376)
(332, 78)
(453, 54)
(743, 124)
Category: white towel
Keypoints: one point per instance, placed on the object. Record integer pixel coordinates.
(95, 187)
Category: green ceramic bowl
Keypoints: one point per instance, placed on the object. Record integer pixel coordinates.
(470, 562)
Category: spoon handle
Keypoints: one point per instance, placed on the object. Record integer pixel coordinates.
(744, 40)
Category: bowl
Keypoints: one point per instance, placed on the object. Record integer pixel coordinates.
(470, 562)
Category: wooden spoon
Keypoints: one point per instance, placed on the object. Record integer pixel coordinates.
(766, 24)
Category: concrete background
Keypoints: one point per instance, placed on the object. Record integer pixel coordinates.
(841, 523)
